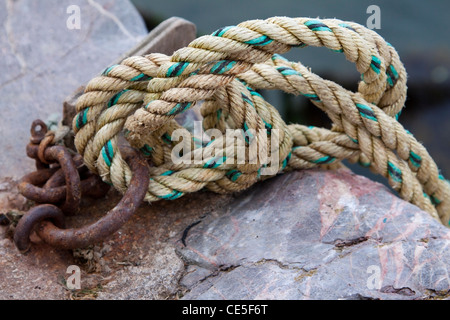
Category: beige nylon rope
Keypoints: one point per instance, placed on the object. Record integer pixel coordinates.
(142, 96)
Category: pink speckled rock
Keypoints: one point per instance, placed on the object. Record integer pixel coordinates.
(44, 61)
(317, 235)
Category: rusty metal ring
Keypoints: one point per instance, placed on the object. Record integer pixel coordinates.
(38, 135)
(61, 155)
(43, 145)
(58, 178)
(72, 178)
(28, 187)
(112, 221)
(32, 218)
(92, 186)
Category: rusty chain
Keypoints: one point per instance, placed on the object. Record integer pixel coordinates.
(60, 175)
(57, 185)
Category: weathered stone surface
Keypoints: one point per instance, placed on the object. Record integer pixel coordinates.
(43, 61)
(303, 235)
(138, 262)
(317, 235)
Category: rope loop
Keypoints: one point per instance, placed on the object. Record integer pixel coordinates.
(142, 98)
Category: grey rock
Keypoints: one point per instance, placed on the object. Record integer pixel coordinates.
(43, 61)
(317, 235)
(312, 234)
(155, 277)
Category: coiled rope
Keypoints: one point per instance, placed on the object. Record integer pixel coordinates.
(142, 95)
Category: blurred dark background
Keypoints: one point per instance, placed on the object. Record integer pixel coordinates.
(417, 29)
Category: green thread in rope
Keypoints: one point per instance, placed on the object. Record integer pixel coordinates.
(398, 116)
(415, 159)
(345, 25)
(260, 41)
(316, 25)
(324, 160)
(167, 173)
(312, 97)
(113, 101)
(222, 66)
(394, 172)
(176, 69)
(375, 64)
(233, 175)
(435, 201)
(179, 108)
(300, 45)
(215, 162)
(247, 99)
(221, 31)
(108, 70)
(254, 93)
(286, 161)
(366, 112)
(172, 196)
(141, 77)
(267, 125)
(81, 118)
(277, 56)
(354, 140)
(285, 71)
(108, 153)
(258, 173)
(146, 150)
(166, 138)
(392, 75)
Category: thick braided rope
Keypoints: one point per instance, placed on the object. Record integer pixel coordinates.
(205, 71)
(358, 116)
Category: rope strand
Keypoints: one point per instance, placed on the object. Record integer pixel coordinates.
(143, 95)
